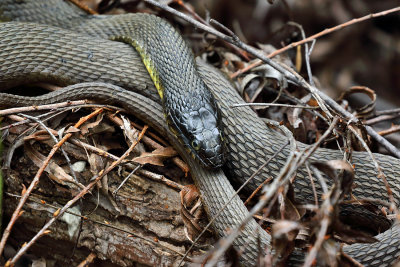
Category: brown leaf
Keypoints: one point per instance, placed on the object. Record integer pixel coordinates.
(331, 168)
(367, 109)
(72, 129)
(130, 132)
(156, 157)
(54, 171)
(285, 229)
(283, 234)
(189, 194)
(98, 126)
(192, 211)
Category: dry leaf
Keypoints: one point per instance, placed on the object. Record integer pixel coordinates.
(192, 211)
(156, 157)
(54, 171)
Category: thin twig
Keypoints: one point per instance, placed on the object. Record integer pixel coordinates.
(312, 185)
(333, 29)
(41, 107)
(88, 260)
(126, 179)
(326, 207)
(392, 129)
(380, 118)
(272, 105)
(84, 7)
(388, 111)
(307, 52)
(252, 195)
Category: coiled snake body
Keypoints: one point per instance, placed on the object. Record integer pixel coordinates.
(31, 52)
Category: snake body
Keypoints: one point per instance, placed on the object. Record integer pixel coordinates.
(30, 53)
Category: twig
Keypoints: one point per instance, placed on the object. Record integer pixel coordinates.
(333, 29)
(392, 129)
(368, 200)
(326, 207)
(20, 121)
(58, 213)
(388, 111)
(380, 119)
(191, 11)
(41, 107)
(257, 190)
(35, 180)
(272, 105)
(88, 260)
(312, 185)
(84, 7)
(161, 178)
(307, 52)
(126, 179)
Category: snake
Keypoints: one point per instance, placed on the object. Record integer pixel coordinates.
(53, 41)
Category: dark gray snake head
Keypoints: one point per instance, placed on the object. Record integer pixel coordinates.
(196, 121)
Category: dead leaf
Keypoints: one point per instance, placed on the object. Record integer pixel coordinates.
(192, 211)
(130, 133)
(54, 171)
(72, 129)
(98, 126)
(156, 157)
(283, 234)
(367, 109)
(331, 168)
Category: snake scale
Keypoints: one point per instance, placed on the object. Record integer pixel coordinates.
(30, 52)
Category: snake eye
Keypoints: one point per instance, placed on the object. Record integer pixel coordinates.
(195, 145)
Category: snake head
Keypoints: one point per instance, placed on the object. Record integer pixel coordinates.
(206, 140)
(197, 124)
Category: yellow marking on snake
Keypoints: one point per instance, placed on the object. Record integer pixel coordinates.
(148, 63)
